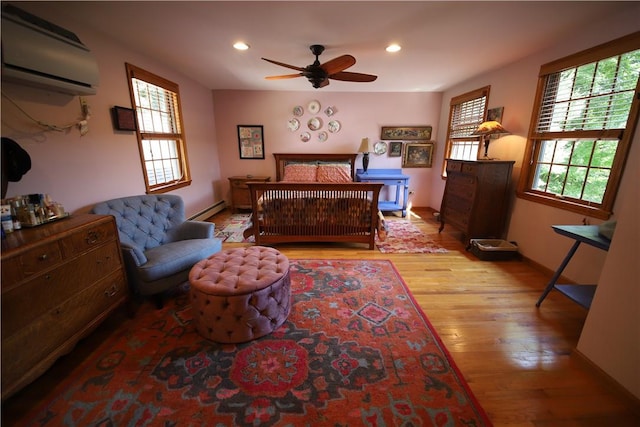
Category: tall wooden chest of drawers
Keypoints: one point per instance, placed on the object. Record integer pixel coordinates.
(240, 197)
(59, 281)
(476, 197)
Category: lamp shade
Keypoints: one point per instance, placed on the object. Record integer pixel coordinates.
(365, 146)
(490, 127)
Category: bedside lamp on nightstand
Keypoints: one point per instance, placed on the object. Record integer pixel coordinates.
(365, 149)
(486, 129)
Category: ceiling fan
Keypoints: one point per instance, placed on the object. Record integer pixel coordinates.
(319, 74)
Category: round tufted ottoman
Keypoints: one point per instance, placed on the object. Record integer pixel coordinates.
(240, 294)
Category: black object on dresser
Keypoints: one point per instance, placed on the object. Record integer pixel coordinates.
(476, 197)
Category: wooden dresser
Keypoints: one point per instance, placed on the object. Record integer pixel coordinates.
(59, 281)
(240, 197)
(476, 197)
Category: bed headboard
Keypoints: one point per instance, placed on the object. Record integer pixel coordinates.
(283, 158)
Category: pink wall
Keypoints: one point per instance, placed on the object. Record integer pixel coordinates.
(79, 171)
(360, 114)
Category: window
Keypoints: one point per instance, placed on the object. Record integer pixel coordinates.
(585, 116)
(466, 113)
(161, 142)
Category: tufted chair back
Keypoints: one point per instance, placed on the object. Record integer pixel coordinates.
(159, 246)
(145, 221)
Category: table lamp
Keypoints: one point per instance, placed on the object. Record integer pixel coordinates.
(365, 149)
(486, 129)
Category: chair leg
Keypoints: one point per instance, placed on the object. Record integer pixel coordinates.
(159, 301)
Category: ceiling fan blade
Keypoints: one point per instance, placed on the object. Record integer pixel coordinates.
(338, 64)
(353, 77)
(282, 64)
(284, 76)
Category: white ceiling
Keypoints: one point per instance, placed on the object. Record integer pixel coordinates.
(443, 42)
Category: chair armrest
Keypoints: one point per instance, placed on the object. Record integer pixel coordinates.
(133, 254)
(193, 230)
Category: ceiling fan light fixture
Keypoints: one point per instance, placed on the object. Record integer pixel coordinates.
(241, 46)
(394, 47)
(319, 73)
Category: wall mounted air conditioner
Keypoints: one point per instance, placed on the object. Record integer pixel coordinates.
(38, 53)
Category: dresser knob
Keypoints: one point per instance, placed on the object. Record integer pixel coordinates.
(43, 257)
(92, 237)
(112, 291)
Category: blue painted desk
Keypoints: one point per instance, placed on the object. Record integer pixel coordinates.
(582, 294)
(391, 177)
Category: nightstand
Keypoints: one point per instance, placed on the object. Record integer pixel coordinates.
(389, 177)
(240, 197)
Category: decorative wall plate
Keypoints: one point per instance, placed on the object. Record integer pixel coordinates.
(298, 111)
(293, 125)
(314, 123)
(330, 111)
(322, 136)
(334, 126)
(305, 136)
(380, 147)
(314, 107)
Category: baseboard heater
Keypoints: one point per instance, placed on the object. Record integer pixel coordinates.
(210, 211)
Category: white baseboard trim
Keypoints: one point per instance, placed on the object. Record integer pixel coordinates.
(210, 211)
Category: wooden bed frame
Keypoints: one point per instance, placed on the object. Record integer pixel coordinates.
(348, 213)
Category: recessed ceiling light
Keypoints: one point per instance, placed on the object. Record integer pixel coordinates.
(393, 48)
(241, 46)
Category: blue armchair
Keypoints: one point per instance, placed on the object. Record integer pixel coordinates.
(158, 245)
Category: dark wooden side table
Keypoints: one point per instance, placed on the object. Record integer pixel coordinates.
(240, 197)
(581, 294)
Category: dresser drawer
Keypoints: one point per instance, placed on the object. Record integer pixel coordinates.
(235, 183)
(453, 166)
(456, 218)
(30, 263)
(24, 303)
(464, 205)
(470, 168)
(39, 343)
(88, 237)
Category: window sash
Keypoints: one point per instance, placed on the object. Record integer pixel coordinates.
(160, 135)
(584, 118)
(466, 113)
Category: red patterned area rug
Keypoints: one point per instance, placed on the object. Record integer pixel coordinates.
(356, 350)
(403, 237)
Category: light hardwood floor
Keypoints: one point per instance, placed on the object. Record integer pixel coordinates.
(520, 361)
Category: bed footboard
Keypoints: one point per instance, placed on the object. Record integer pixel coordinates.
(314, 212)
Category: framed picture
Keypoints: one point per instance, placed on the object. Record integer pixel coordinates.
(251, 141)
(495, 114)
(418, 154)
(408, 133)
(395, 149)
(124, 118)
